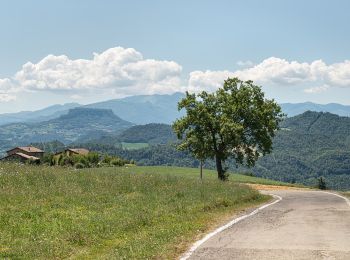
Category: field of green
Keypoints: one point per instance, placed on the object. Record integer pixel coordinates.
(134, 146)
(112, 213)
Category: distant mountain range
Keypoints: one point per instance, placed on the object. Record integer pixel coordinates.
(152, 109)
(78, 124)
(144, 109)
(41, 115)
(293, 109)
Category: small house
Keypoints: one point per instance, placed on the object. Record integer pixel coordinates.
(74, 151)
(24, 153)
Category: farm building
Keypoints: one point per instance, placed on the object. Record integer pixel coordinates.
(73, 151)
(24, 153)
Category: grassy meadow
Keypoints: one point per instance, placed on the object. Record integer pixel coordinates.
(112, 213)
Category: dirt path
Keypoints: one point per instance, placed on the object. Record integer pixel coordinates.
(303, 225)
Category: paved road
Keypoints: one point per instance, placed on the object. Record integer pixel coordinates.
(304, 225)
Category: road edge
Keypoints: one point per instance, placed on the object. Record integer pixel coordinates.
(338, 195)
(229, 224)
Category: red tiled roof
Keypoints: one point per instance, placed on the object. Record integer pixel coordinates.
(82, 151)
(28, 149)
(25, 156)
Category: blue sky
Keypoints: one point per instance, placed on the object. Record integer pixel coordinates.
(169, 46)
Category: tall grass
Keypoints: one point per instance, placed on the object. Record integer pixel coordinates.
(111, 213)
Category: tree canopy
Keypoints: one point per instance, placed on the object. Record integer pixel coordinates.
(236, 121)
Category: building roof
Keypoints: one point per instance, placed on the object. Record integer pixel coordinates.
(81, 151)
(25, 156)
(28, 149)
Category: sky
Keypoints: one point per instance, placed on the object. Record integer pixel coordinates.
(55, 52)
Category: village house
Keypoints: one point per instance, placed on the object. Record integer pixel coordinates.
(24, 153)
(74, 151)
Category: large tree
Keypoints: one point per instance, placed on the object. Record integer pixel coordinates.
(236, 121)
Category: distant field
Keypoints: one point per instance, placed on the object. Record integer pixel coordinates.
(134, 146)
(119, 213)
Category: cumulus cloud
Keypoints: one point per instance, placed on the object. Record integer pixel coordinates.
(280, 72)
(207, 80)
(122, 69)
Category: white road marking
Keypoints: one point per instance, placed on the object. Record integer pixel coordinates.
(340, 196)
(222, 228)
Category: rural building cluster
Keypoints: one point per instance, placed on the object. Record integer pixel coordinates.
(25, 153)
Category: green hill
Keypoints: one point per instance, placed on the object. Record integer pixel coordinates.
(307, 147)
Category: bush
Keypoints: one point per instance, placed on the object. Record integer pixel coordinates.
(117, 162)
(79, 165)
(93, 158)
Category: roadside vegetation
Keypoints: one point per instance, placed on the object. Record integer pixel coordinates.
(121, 213)
(79, 161)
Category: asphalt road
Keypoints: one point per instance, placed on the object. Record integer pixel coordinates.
(303, 225)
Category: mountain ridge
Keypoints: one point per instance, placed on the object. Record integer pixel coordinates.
(145, 109)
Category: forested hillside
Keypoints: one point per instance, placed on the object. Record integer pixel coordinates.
(308, 146)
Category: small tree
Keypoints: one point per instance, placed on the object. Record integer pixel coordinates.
(321, 183)
(236, 121)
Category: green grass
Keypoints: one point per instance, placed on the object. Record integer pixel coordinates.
(134, 146)
(111, 213)
(347, 194)
(207, 174)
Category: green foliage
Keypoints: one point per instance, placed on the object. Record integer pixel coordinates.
(92, 159)
(236, 121)
(79, 165)
(149, 133)
(134, 146)
(110, 213)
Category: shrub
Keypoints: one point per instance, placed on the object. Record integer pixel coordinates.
(79, 165)
(93, 158)
(117, 162)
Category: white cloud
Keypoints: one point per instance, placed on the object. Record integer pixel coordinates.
(207, 80)
(279, 72)
(314, 90)
(4, 97)
(123, 70)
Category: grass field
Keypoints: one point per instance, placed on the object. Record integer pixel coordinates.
(347, 194)
(134, 146)
(112, 213)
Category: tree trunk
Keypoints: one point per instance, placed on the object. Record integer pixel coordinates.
(220, 170)
(201, 170)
